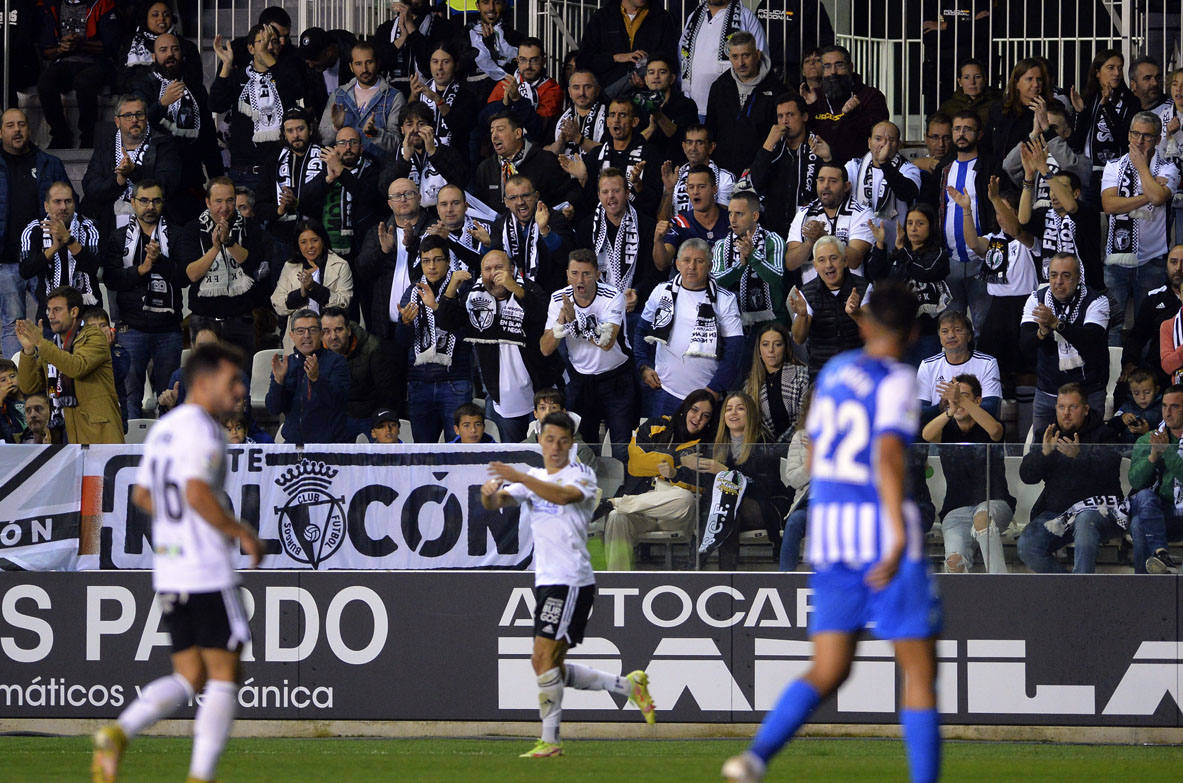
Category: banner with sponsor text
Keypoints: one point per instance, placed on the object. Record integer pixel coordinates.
(339, 506)
(40, 504)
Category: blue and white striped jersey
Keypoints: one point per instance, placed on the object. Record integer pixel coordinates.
(857, 400)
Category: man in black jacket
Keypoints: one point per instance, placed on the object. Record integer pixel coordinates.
(139, 265)
(389, 258)
(1063, 327)
(824, 310)
(536, 238)
(614, 53)
(421, 157)
(784, 169)
(256, 95)
(1141, 343)
(742, 104)
(1077, 472)
(374, 382)
(405, 43)
(504, 317)
(285, 192)
(121, 158)
(625, 150)
(344, 195)
(513, 154)
(225, 255)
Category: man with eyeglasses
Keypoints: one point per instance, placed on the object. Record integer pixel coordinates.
(123, 158)
(345, 193)
(310, 386)
(1136, 192)
(256, 95)
(528, 94)
(147, 278)
(389, 257)
(536, 238)
(848, 108)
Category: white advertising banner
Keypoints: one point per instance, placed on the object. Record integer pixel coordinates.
(340, 506)
(40, 500)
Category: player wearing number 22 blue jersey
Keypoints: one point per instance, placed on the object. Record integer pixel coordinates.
(865, 540)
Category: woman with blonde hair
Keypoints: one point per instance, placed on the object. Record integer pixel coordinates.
(777, 381)
(747, 493)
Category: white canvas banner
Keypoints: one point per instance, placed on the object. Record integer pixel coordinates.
(40, 500)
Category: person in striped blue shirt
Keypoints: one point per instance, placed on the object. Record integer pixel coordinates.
(864, 540)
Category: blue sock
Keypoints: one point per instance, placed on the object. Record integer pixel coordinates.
(922, 738)
(791, 710)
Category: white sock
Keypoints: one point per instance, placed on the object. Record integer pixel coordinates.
(550, 703)
(157, 700)
(211, 727)
(585, 678)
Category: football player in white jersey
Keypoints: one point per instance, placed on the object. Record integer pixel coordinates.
(558, 500)
(195, 539)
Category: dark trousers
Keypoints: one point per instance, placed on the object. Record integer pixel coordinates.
(162, 349)
(236, 330)
(609, 398)
(86, 79)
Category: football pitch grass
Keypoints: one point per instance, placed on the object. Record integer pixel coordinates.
(57, 759)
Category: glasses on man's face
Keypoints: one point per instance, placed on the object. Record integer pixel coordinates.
(348, 143)
(522, 60)
(148, 202)
(132, 115)
(401, 195)
(301, 331)
(1136, 136)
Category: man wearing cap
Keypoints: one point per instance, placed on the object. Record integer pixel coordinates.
(326, 55)
(385, 427)
(366, 103)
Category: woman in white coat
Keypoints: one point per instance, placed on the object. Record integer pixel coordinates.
(314, 278)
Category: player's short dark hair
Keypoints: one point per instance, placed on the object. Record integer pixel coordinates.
(969, 114)
(612, 171)
(833, 165)
(144, 184)
(334, 311)
(893, 305)
(417, 110)
(1074, 388)
(206, 359)
(1174, 388)
(467, 409)
(1141, 375)
(550, 394)
(96, 313)
(937, 118)
(433, 242)
(702, 168)
(71, 294)
(274, 14)
(557, 419)
(583, 255)
(971, 380)
(792, 97)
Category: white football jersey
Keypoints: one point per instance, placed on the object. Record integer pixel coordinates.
(583, 350)
(560, 532)
(190, 554)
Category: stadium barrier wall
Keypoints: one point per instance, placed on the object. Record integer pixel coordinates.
(429, 646)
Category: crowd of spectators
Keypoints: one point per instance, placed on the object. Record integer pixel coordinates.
(669, 238)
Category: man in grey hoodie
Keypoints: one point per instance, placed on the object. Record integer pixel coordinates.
(742, 104)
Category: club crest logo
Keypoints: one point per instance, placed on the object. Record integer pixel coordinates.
(664, 314)
(312, 522)
(482, 309)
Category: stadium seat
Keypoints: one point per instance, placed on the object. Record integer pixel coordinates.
(1114, 373)
(936, 482)
(609, 475)
(16, 358)
(185, 355)
(404, 431)
(492, 431)
(667, 540)
(137, 430)
(261, 381)
(361, 438)
(1025, 494)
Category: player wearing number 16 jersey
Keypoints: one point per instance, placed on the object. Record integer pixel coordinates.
(195, 542)
(864, 539)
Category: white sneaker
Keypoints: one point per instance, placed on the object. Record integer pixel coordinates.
(744, 768)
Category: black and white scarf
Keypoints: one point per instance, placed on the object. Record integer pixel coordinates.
(432, 345)
(1042, 197)
(225, 277)
(727, 494)
(1104, 146)
(142, 49)
(443, 134)
(63, 266)
(528, 91)
(816, 211)
(338, 209)
(182, 117)
(1114, 506)
(996, 261)
(524, 256)
(159, 296)
(1123, 239)
(807, 164)
(260, 101)
(61, 386)
(495, 321)
(872, 189)
(681, 198)
(463, 241)
(1068, 312)
(1059, 235)
(591, 127)
(1177, 342)
(755, 295)
(426, 177)
(296, 172)
(634, 156)
(689, 40)
(704, 336)
(136, 155)
(620, 256)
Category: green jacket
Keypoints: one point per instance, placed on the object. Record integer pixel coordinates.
(1168, 469)
(727, 274)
